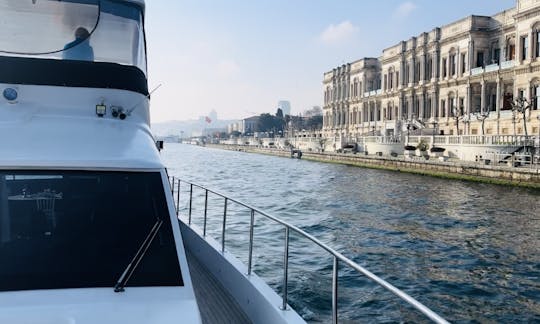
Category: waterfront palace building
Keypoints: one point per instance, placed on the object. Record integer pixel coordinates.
(461, 73)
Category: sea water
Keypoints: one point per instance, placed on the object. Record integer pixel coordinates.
(469, 251)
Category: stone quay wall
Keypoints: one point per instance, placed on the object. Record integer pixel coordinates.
(525, 176)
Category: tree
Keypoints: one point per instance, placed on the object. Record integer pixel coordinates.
(457, 115)
(279, 113)
(482, 116)
(269, 123)
(520, 106)
(314, 123)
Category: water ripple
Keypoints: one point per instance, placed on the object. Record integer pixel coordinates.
(469, 251)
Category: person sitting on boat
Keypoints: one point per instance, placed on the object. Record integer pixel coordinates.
(80, 48)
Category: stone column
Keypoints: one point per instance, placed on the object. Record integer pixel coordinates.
(413, 70)
(401, 72)
(447, 108)
(421, 105)
(410, 103)
(468, 99)
(483, 97)
(433, 103)
(498, 103)
(437, 68)
(531, 45)
(498, 100)
(458, 62)
(448, 69)
(518, 48)
(400, 108)
(471, 54)
(434, 65)
(364, 85)
(422, 67)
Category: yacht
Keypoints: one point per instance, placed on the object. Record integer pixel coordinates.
(90, 226)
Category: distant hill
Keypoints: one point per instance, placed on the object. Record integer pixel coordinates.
(176, 127)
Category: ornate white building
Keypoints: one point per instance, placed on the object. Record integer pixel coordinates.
(444, 81)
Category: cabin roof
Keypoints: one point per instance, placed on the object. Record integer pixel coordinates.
(80, 143)
(51, 126)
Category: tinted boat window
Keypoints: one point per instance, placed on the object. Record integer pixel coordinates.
(66, 229)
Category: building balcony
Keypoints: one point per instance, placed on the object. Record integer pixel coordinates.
(478, 70)
(492, 67)
(507, 64)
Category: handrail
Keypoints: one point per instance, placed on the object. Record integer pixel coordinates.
(288, 227)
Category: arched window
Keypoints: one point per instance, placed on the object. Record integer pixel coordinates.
(536, 39)
(391, 78)
(511, 48)
(452, 62)
(451, 104)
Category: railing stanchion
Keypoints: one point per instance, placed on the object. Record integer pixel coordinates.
(335, 292)
(178, 199)
(285, 268)
(205, 210)
(224, 222)
(190, 201)
(251, 227)
(172, 186)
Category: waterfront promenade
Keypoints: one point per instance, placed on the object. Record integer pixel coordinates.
(506, 174)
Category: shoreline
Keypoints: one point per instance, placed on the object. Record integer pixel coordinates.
(455, 170)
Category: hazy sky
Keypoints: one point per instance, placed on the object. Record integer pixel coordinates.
(242, 57)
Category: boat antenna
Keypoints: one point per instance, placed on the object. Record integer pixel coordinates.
(130, 110)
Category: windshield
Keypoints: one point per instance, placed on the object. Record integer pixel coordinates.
(67, 229)
(85, 30)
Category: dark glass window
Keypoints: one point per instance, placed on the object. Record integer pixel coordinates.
(70, 229)
(496, 55)
(480, 59)
(537, 43)
(524, 47)
(536, 97)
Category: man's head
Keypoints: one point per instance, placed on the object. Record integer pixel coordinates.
(81, 33)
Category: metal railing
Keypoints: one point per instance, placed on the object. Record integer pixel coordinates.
(492, 140)
(338, 258)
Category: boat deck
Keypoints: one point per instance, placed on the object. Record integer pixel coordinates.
(215, 304)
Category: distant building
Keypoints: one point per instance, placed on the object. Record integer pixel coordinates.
(249, 125)
(234, 127)
(285, 106)
(213, 116)
(213, 132)
(314, 111)
(476, 65)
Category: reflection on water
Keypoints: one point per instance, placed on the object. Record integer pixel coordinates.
(469, 251)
